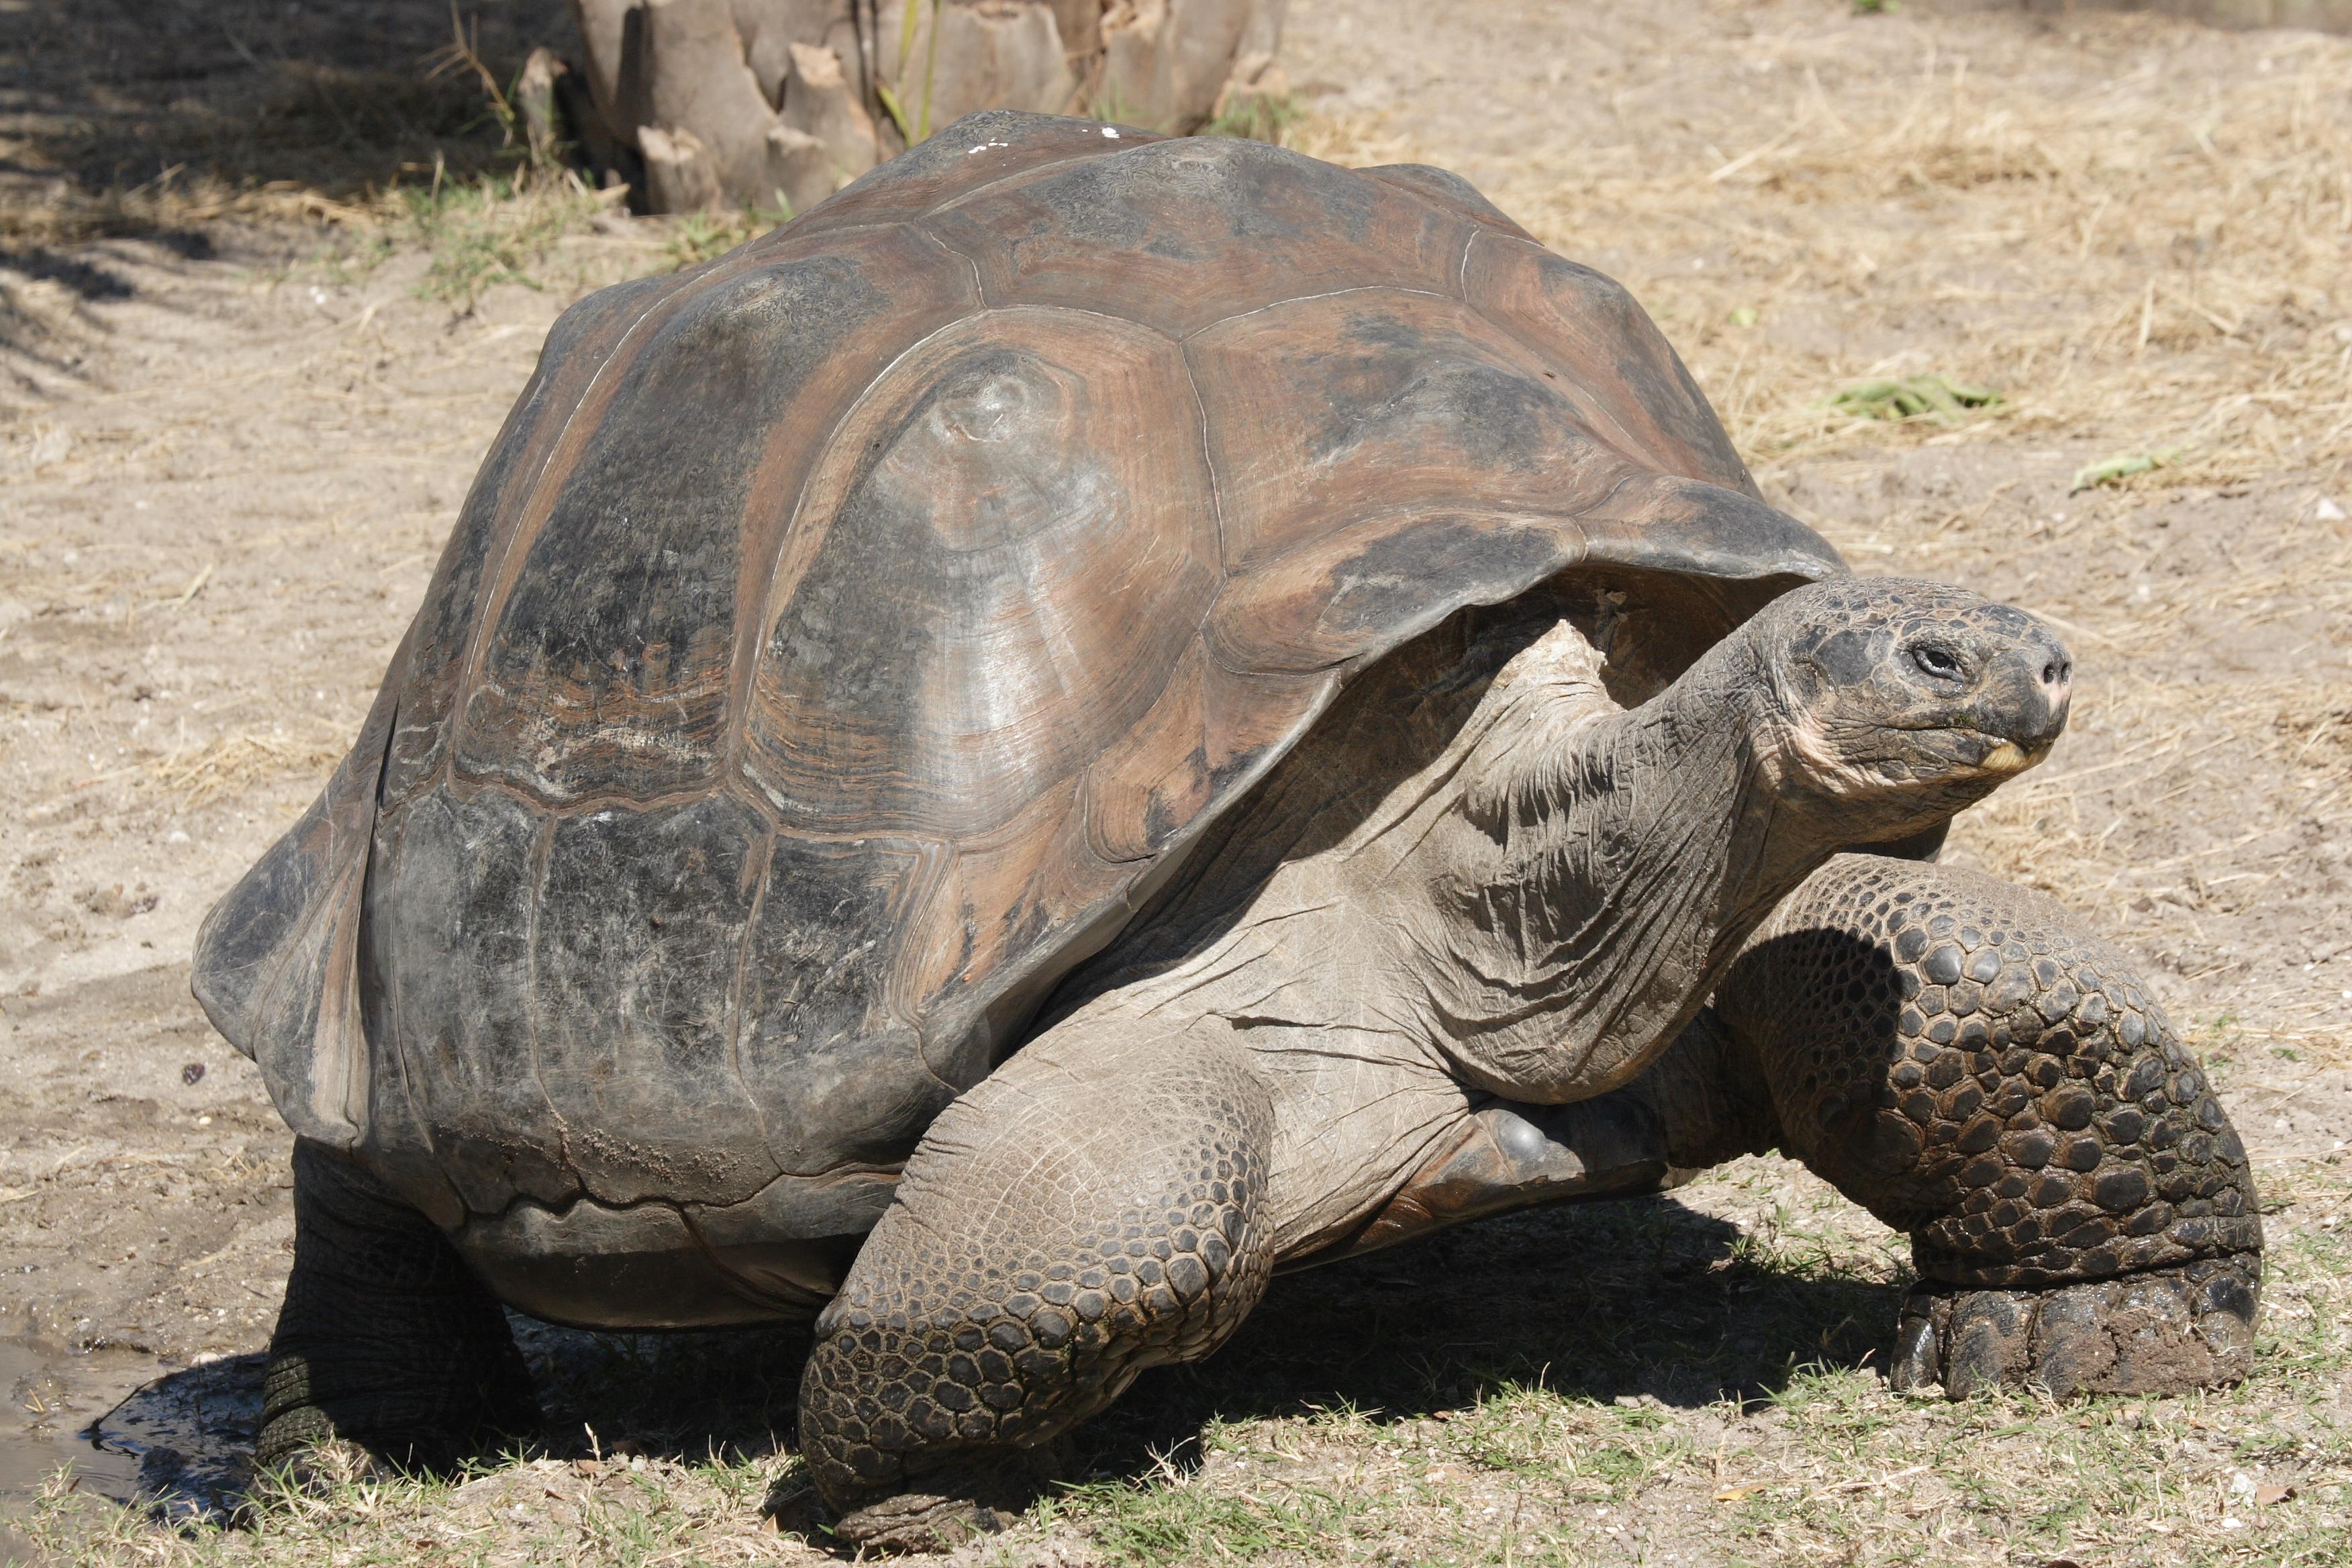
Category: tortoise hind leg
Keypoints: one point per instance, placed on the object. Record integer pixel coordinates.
(386, 1338)
(1963, 1059)
(1093, 1208)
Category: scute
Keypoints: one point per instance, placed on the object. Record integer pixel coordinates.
(1447, 189)
(445, 949)
(638, 938)
(846, 637)
(576, 348)
(1007, 544)
(1213, 725)
(1329, 411)
(1010, 913)
(838, 1075)
(1602, 343)
(981, 150)
(1180, 234)
(608, 666)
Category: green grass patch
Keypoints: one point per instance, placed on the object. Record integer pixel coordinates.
(2115, 469)
(1256, 117)
(697, 238)
(1936, 397)
(1622, 1382)
(494, 229)
(1153, 1524)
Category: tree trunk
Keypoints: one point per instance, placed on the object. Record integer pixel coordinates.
(680, 176)
(784, 100)
(537, 104)
(823, 111)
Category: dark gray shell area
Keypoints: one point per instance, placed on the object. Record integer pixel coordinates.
(843, 639)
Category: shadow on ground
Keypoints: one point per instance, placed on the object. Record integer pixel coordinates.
(1640, 1298)
(146, 117)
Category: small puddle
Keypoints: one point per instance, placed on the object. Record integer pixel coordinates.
(189, 1437)
(178, 1444)
(45, 1398)
(51, 1395)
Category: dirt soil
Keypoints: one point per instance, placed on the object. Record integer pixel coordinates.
(242, 392)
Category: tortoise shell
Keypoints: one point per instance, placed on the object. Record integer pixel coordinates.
(843, 639)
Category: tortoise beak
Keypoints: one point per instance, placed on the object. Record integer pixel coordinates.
(2027, 690)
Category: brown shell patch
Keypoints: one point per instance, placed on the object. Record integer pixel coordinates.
(447, 937)
(576, 348)
(838, 1075)
(1210, 728)
(1330, 411)
(608, 665)
(639, 934)
(1603, 344)
(976, 153)
(1013, 909)
(1014, 539)
(1181, 233)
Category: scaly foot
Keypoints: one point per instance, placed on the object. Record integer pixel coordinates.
(2166, 1330)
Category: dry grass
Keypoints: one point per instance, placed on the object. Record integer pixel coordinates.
(163, 118)
(2153, 250)
(190, 777)
(233, 765)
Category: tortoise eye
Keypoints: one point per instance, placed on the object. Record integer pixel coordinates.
(1940, 663)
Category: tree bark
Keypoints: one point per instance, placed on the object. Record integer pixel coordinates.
(997, 54)
(832, 133)
(1204, 38)
(679, 174)
(1139, 84)
(698, 80)
(536, 105)
(790, 98)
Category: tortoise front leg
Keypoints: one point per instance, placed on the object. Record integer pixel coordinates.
(1962, 1058)
(1094, 1207)
(386, 1338)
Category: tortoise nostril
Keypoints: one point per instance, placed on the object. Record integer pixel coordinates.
(2057, 672)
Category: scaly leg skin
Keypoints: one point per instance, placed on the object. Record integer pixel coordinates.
(1092, 1208)
(386, 1338)
(1959, 1057)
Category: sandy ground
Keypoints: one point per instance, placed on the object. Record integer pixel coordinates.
(233, 438)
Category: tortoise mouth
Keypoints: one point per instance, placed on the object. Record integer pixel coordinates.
(2007, 758)
(1938, 747)
(1926, 762)
(1990, 754)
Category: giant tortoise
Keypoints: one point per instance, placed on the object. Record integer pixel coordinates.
(1101, 714)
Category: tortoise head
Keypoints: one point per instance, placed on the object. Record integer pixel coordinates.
(1900, 701)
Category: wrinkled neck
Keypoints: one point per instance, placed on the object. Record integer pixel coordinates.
(1599, 881)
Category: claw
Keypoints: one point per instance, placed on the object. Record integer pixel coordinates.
(1915, 1367)
(1987, 1344)
(2164, 1330)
